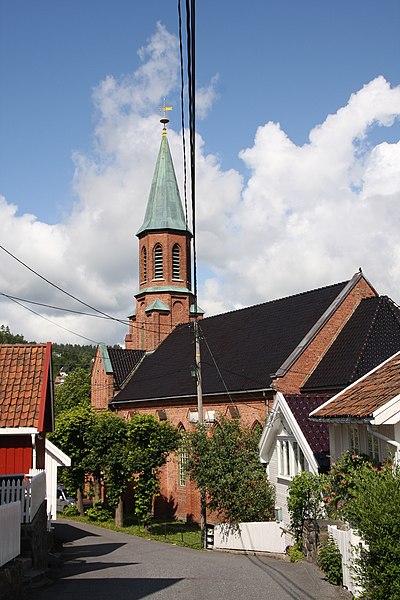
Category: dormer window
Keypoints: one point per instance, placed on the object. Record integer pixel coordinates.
(144, 264)
(176, 262)
(158, 262)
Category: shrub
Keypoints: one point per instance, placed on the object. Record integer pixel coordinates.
(340, 484)
(373, 510)
(330, 561)
(99, 513)
(295, 553)
(304, 501)
(70, 511)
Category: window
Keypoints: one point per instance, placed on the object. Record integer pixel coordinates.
(176, 262)
(354, 439)
(144, 264)
(183, 458)
(158, 262)
(373, 446)
(291, 459)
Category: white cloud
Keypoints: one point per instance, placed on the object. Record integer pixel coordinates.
(307, 216)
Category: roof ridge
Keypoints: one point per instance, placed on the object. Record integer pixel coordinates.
(236, 310)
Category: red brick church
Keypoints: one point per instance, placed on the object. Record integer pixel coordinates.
(312, 343)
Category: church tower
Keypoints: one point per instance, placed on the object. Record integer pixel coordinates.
(164, 298)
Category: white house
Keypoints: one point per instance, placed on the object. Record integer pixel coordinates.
(54, 458)
(365, 416)
(291, 443)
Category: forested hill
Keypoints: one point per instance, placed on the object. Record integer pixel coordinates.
(65, 356)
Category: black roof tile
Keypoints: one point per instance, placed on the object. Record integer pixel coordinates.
(123, 362)
(247, 345)
(370, 336)
(316, 433)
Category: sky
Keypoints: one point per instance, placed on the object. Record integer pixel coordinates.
(298, 151)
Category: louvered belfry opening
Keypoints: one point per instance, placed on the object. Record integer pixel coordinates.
(158, 262)
(176, 262)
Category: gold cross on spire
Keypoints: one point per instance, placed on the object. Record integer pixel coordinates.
(164, 120)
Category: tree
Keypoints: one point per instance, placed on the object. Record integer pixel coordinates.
(6, 337)
(373, 510)
(305, 501)
(225, 464)
(75, 391)
(109, 459)
(149, 443)
(73, 432)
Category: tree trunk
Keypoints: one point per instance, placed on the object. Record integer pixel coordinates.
(119, 514)
(96, 489)
(79, 501)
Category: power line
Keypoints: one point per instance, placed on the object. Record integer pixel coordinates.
(53, 323)
(60, 288)
(77, 312)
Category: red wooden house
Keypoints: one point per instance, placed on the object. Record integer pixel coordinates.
(26, 406)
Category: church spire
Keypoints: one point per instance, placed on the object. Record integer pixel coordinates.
(164, 207)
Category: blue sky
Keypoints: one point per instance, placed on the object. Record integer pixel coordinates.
(292, 62)
(288, 62)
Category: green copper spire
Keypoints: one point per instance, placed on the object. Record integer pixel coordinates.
(164, 207)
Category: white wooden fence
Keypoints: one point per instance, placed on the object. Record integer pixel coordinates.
(10, 525)
(347, 542)
(256, 537)
(29, 490)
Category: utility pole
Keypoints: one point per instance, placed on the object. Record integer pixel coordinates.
(203, 512)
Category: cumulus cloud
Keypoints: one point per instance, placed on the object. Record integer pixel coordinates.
(306, 216)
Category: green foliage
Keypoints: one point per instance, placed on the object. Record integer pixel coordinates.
(149, 443)
(304, 500)
(109, 457)
(6, 337)
(72, 434)
(330, 561)
(339, 488)
(373, 510)
(70, 511)
(99, 513)
(295, 553)
(225, 465)
(75, 391)
(72, 356)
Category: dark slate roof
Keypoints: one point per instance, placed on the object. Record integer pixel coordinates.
(316, 433)
(123, 363)
(247, 345)
(370, 336)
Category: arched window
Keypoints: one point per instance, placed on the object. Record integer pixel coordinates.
(176, 262)
(183, 457)
(144, 264)
(158, 262)
(256, 428)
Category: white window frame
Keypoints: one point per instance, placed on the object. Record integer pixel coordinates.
(291, 458)
(354, 439)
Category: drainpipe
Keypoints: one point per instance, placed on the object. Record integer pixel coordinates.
(382, 437)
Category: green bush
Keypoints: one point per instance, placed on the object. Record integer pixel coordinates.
(330, 561)
(99, 513)
(295, 553)
(70, 511)
(304, 501)
(373, 511)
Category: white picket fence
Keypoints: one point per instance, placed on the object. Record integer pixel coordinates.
(347, 542)
(10, 525)
(30, 491)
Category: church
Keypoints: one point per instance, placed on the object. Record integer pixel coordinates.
(309, 345)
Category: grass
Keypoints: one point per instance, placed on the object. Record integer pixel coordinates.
(171, 532)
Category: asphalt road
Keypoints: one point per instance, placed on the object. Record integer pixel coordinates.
(98, 564)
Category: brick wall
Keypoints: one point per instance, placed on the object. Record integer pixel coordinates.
(183, 502)
(300, 371)
(102, 384)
